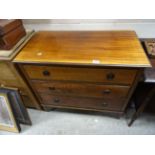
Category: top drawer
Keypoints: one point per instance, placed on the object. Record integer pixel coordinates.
(80, 74)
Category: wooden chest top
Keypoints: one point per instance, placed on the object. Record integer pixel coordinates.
(101, 48)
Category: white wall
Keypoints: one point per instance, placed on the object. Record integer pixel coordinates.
(144, 28)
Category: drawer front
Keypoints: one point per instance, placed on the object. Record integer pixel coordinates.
(81, 89)
(87, 103)
(124, 76)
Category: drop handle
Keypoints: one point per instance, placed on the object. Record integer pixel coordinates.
(110, 76)
(46, 73)
(104, 104)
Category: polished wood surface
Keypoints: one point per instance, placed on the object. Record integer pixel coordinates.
(81, 89)
(92, 103)
(83, 74)
(86, 70)
(82, 83)
(10, 77)
(7, 77)
(105, 48)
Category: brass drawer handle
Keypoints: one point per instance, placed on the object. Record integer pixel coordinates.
(105, 104)
(107, 91)
(46, 73)
(56, 100)
(110, 76)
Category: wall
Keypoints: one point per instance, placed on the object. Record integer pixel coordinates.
(145, 28)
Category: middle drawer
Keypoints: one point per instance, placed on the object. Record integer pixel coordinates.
(80, 89)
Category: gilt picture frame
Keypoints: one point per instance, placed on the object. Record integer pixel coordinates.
(8, 121)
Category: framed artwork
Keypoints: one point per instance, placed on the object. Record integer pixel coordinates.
(150, 47)
(19, 110)
(7, 120)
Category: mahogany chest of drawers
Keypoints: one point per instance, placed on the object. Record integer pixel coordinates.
(90, 70)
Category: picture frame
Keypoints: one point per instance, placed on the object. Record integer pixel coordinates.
(149, 45)
(17, 105)
(8, 121)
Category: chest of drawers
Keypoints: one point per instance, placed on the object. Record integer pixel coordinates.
(11, 78)
(83, 70)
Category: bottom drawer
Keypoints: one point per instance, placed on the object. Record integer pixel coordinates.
(86, 103)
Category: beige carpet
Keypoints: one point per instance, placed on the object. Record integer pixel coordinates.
(80, 123)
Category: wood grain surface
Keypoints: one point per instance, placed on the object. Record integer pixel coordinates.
(80, 74)
(105, 48)
(92, 103)
(81, 89)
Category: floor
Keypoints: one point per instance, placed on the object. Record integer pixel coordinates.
(84, 123)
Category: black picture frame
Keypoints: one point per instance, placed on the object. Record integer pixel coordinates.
(17, 105)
